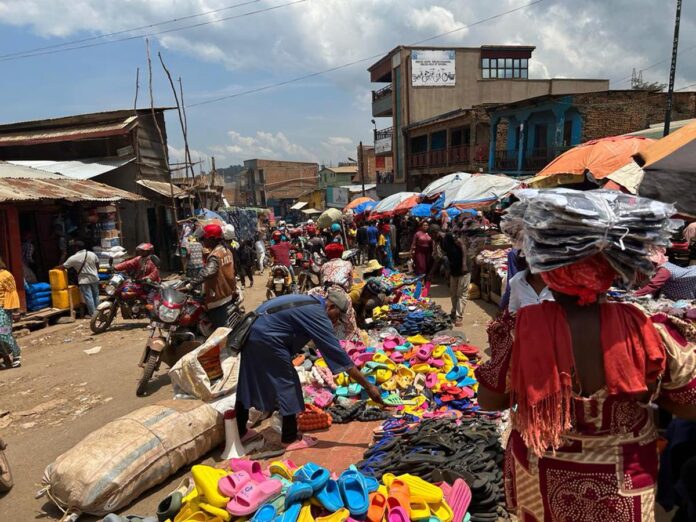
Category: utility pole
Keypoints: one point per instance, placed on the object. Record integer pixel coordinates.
(672, 70)
(361, 157)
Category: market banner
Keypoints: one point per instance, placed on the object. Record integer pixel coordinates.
(433, 68)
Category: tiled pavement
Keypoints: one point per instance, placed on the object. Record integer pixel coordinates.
(338, 447)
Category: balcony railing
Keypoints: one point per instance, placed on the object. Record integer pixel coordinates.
(382, 102)
(384, 133)
(438, 158)
(532, 161)
(418, 160)
(381, 93)
(457, 155)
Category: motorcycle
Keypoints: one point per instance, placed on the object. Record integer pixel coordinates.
(310, 273)
(6, 480)
(279, 282)
(124, 294)
(179, 325)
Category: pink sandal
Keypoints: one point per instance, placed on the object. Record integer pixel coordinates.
(230, 485)
(253, 496)
(304, 443)
(251, 467)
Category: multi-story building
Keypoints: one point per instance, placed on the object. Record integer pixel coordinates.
(430, 97)
(528, 134)
(277, 183)
(337, 176)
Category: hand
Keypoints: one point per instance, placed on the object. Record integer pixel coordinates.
(374, 394)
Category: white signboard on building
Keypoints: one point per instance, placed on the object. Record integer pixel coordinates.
(337, 197)
(433, 68)
(383, 145)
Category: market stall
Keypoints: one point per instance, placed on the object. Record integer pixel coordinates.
(41, 212)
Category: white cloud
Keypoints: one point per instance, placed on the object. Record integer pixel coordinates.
(574, 38)
(266, 145)
(339, 140)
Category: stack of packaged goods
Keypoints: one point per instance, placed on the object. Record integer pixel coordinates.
(110, 235)
(38, 296)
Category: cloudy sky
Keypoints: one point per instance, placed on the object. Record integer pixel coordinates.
(251, 44)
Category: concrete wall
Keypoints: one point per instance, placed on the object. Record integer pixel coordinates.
(471, 89)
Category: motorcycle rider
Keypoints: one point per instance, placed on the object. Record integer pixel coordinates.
(142, 267)
(217, 276)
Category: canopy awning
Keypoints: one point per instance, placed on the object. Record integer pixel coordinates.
(299, 205)
(311, 211)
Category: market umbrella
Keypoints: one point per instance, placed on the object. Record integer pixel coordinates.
(669, 167)
(422, 210)
(364, 207)
(479, 190)
(595, 159)
(386, 207)
(332, 215)
(445, 182)
(407, 204)
(356, 202)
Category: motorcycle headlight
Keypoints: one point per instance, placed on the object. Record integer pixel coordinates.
(168, 315)
(109, 289)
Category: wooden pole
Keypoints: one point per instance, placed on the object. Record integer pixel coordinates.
(165, 154)
(137, 88)
(187, 158)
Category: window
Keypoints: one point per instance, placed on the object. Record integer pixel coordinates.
(494, 68)
(438, 140)
(567, 132)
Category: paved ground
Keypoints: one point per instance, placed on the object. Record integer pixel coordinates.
(61, 394)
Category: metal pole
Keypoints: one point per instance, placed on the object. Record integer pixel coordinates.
(362, 168)
(672, 70)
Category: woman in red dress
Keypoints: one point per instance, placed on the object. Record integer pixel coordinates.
(422, 250)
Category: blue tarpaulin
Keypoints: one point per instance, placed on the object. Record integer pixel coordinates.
(364, 207)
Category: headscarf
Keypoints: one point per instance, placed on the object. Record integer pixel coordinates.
(334, 250)
(585, 279)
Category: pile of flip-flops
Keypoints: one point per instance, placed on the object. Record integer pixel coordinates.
(413, 316)
(442, 451)
(287, 493)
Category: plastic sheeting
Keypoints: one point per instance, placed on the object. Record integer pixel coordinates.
(597, 158)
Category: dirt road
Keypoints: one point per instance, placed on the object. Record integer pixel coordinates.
(61, 394)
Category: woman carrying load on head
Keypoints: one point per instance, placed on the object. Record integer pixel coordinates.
(579, 378)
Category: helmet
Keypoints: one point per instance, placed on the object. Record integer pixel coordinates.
(228, 232)
(144, 249)
(335, 227)
(281, 224)
(310, 221)
(295, 232)
(212, 232)
(277, 235)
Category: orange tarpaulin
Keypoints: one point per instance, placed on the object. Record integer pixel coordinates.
(406, 205)
(356, 202)
(597, 157)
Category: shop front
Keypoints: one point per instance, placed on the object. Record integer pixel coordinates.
(43, 215)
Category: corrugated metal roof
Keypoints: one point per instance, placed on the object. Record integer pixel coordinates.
(358, 188)
(18, 183)
(75, 132)
(162, 188)
(77, 169)
(7, 170)
(345, 169)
